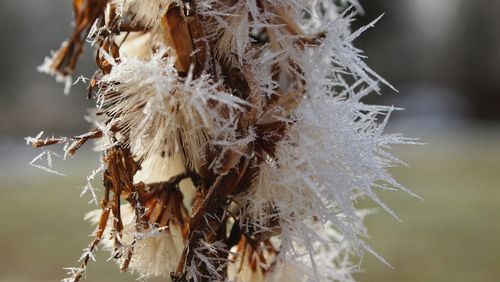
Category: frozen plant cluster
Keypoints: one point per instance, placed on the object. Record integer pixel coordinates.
(234, 136)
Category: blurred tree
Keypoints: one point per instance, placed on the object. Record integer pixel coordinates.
(451, 44)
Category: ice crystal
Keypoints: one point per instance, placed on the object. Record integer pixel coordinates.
(157, 250)
(237, 134)
(165, 113)
(144, 12)
(89, 188)
(62, 78)
(46, 156)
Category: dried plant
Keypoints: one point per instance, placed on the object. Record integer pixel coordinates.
(233, 135)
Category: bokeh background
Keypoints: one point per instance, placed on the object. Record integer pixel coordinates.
(444, 58)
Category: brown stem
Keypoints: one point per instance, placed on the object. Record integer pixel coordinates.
(77, 141)
(103, 220)
(213, 202)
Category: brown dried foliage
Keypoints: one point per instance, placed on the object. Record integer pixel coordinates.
(157, 204)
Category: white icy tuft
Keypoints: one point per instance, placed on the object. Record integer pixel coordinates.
(166, 113)
(156, 251)
(335, 152)
(143, 12)
(46, 68)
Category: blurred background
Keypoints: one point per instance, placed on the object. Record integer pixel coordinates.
(443, 57)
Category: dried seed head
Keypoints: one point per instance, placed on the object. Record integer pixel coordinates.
(161, 113)
(258, 104)
(156, 250)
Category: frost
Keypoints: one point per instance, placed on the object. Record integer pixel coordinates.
(158, 107)
(269, 124)
(205, 259)
(82, 79)
(32, 140)
(156, 250)
(72, 272)
(46, 67)
(87, 252)
(335, 152)
(46, 158)
(89, 188)
(145, 12)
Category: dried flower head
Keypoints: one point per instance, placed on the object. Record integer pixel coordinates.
(233, 134)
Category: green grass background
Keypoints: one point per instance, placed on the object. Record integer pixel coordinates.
(454, 235)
